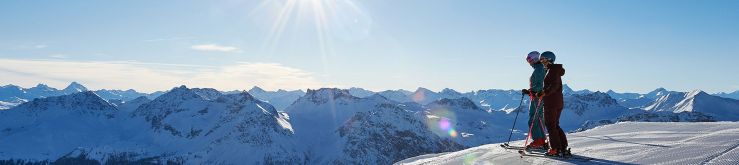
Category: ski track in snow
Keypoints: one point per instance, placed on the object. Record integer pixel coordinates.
(730, 154)
(621, 143)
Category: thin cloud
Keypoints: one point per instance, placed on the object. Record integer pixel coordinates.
(150, 77)
(215, 47)
(61, 56)
(167, 39)
(30, 47)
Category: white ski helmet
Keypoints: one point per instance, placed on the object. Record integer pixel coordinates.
(533, 57)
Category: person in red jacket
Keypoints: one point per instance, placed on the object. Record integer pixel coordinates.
(553, 105)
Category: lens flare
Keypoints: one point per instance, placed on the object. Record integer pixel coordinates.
(470, 158)
(452, 133)
(442, 123)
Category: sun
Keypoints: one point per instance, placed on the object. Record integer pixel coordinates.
(333, 21)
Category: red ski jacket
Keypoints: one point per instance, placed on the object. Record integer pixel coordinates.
(553, 98)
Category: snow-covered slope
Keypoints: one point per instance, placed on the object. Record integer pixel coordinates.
(722, 109)
(49, 128)
(11, 102)
(621, 143)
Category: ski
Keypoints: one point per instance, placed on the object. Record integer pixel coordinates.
(541, 155)
(507, 146)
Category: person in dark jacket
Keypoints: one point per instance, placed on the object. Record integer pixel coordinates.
(553, 105)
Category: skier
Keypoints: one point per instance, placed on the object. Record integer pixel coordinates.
(536, 114)
(553, 105)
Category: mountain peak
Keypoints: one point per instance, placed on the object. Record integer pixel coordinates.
(42, 86)
(81, 101)
(325, 94)
(449, 91)
(186, 93)
(423, 90)
(657, 93)
(11, 86)
(334, 92)
(245, 96)
(660, 89)
(360, 92)
(566, 87)
(256, 89)
(697, 92)
(75, 87)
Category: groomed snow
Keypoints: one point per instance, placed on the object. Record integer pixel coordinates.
(621, 143)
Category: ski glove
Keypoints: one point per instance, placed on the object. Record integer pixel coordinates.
(540, 94)
(524, 91)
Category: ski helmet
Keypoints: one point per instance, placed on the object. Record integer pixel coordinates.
(549, 56)
(533, 57)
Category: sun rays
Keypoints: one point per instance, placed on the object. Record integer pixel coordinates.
(328, 21)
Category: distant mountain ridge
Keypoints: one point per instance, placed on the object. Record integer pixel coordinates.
(14, 95)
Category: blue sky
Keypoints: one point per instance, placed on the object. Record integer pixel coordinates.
(626, 45)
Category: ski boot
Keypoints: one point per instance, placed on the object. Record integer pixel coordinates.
(538, 144)
(566, 153)
(553, 153)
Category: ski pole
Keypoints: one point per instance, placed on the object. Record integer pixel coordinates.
(541, 123)
(515, 119)
(536, 113)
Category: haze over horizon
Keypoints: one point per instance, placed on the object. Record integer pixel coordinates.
(411, 90)
(626, 46)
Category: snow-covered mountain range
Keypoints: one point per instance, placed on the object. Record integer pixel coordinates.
(321, 126)
(12, 95)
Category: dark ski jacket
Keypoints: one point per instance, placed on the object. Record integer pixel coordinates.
(553, 98)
